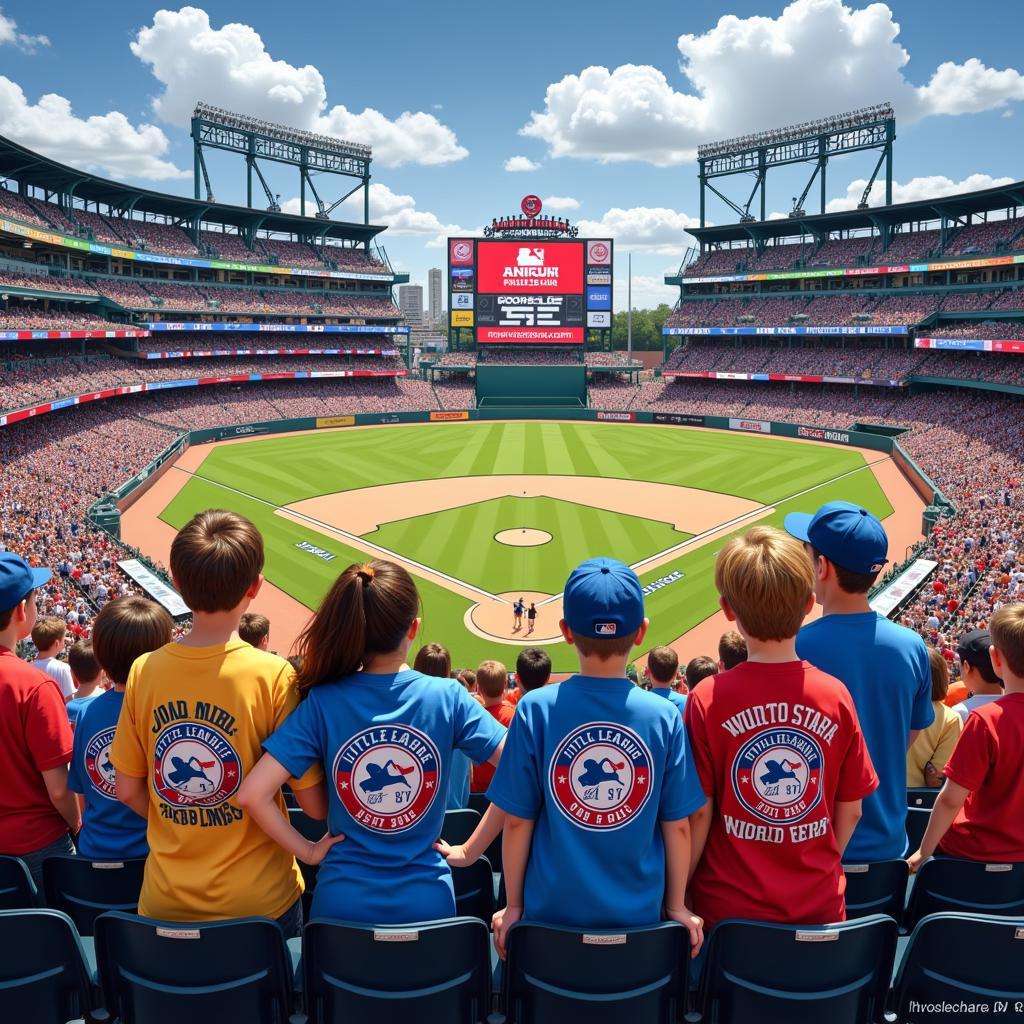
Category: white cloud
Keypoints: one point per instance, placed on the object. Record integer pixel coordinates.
(9, 34)
(648, 292)
(928, 187)
(644, 229)
(816, 58)
(230, 67)
(515, 164)
(561, 203)
(104, 143)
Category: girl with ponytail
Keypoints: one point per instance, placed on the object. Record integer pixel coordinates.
(385, 735)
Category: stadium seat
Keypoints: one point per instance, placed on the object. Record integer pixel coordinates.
(474, 891)
(951, 885)
(17, 889)
(553, 975)
(459, 825)
(84, 889)
(800, 974)
(436, 971)
(156, 972)
(478, 802)
(311, 829)
(878, 888)
(923, 796)
(960, 959)
(917, 823)
(44, 977)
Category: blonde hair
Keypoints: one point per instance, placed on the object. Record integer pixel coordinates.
(1007, 629)
(492, 678)
(767, 579)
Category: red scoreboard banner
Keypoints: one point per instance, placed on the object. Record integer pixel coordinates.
(521, 268)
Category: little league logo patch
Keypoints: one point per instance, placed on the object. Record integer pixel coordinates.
(462, 251)
(193, 765)
(387, 777)
(97, 763)
(600, 776)
(776, 775)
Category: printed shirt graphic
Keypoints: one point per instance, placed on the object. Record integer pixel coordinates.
(597, 764)
(386, 743)
(192, 723)
(776, 746)
(110, 831)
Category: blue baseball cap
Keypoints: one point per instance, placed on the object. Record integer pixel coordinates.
(603, 599)
(847, 535)
(18, 579)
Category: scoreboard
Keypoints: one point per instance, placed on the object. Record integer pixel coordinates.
(544, 291)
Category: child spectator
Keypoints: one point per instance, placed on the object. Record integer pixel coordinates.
(48, 636)
(194, 715)
(492, 681)
(254, 629)
(596, 780)
(703, 667)
(662, 668)
(533, 670)
(384, 734)
(37, 809)
(779, 751)
(87, 676)
(732, 650)
(979, 676)
(977, 815)
(125, 628)
(929, 753)
(435, 660)
(883, 665)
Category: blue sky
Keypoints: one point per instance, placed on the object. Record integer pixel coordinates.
(607, 100)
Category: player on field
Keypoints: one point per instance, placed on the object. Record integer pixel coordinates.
(517, 615)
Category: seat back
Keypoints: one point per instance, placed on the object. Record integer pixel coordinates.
(923, 796)
(960, 959)
(949, 885)
(17, 889)
(309, 828)
(437, 971)
(83, 889)
(917, 823)
(459, 825)
(43, 973)
(154, 972)
(801, 974)
(478, 802)
(474, 891)
(877, 888)
(553, 975)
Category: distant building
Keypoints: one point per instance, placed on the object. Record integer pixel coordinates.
(410, 302)
(434, 295)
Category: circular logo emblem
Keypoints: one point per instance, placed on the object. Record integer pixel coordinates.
(462, 252)
(599, 252)
(600, 776)
(531, 205)
(387, 777)
(97, 763)
(776, 775)
(194, 765)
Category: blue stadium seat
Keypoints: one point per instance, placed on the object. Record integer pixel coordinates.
(923, 796)
(311, 829)
(800, 974)
(44, 977)
(553, 975)
(951, 885)
(83, 889)
(474, 891)
(436, 971)
(478, 802)
(961, 959)
(878, 888)
(459, 825)
(917, 823)
(17, 889)
(156, 972)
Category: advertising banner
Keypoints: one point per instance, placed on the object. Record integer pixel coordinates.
(598, 277)
(599, 252)
(522, 268)
(972, 344)
(462, 300)
(679, 419)
(820, 434)
(174, 325)
(448, 415)
(599, 319)
(462, 317)
(155, 587)
(531, 335)
(729, 332)
(598, 298)
(529, 310)
(751, 426)
(461, 251)
(335, 421)
(889, 598)
(617, 417)
(68, 335)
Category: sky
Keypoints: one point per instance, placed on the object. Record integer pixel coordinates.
(596, 107)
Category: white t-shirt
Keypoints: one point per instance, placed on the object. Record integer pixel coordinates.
(60, 672)
(965, 707)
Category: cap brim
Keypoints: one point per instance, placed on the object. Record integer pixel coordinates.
(40, 576)
(797, 525)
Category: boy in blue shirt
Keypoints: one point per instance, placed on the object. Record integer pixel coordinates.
(88, 679)
(883, 665)
(596, 780)
(125, 628)
(662, 670)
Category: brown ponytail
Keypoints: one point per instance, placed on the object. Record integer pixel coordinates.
(368, 611)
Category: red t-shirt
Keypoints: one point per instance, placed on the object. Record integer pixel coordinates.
(776, 745)
(483, 773)
(34, 737)
(986, 760)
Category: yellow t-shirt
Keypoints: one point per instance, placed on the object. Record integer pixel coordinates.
(192, 723)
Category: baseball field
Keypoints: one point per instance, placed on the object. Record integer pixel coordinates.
(485, 512)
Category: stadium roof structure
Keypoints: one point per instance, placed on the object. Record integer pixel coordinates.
(29, 168)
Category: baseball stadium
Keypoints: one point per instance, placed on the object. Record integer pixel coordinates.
(162, 355)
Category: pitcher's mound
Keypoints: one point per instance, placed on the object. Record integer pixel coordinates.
(522, 537)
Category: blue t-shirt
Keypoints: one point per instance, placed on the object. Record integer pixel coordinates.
(77, 705)
(885, 668)
(110, 830)
(596, 764)
(386, 744)
(458, 785)
(679, 699)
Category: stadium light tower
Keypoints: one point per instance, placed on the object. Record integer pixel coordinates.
(811, 142)
(215, 128)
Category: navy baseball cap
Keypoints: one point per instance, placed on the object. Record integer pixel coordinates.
(18, 579)
(847, 535)
(603, 599)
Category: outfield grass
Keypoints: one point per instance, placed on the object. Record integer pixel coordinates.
(279, 471)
